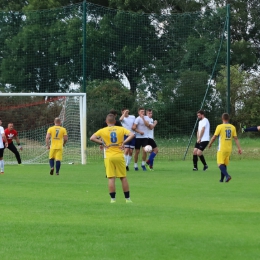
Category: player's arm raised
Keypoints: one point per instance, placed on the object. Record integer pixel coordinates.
(147, 123)
(152, 126)
(123, 115)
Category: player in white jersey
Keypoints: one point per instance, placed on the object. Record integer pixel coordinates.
(140, 127)
(127, 122)
(151, 141)
(203, 137)
(3, 144)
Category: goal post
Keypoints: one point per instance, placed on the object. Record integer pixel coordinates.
(33, 113)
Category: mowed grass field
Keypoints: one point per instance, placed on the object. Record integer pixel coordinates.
(176, 213)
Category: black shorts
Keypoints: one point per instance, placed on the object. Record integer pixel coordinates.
(140, 142)
(152, 143)
(202, 145)
(1, 152)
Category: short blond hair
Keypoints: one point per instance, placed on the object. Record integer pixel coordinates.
(57, 121)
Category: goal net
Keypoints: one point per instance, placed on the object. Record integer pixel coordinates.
(32, 114)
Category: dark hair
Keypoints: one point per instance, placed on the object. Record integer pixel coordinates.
(141, 108)
(112, 111)
(123, 109)
(149, 110)
(201, 112)
(225, 116)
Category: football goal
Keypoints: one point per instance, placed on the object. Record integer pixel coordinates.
(33, 113)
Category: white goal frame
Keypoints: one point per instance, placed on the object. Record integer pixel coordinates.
(82, 109)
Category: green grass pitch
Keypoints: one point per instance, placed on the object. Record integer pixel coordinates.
(176, 213)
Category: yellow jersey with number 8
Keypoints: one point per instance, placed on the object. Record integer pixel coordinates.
(225, 133)
(113, 137)
(57, 133)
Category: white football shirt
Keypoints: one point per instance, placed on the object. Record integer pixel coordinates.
(204, 123)
(128, 122)
(150, 132)
(141, 127)
(2, 131)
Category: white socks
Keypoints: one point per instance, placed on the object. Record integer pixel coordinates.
(2, 165)
(129, 159)
(125, 156)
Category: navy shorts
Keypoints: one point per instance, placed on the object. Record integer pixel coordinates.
(130, 144)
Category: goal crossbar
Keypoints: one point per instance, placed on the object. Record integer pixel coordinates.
(82, 109)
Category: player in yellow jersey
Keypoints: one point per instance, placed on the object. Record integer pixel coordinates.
(113, 141)
(225, 133)
(58, 136)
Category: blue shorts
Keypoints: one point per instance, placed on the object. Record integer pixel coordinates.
(130, 144)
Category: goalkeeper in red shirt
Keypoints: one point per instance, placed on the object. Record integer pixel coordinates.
(11, 134)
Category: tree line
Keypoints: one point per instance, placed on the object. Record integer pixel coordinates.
(156, 54)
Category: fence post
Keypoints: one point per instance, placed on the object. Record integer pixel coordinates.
(84, 47)
(228, 59)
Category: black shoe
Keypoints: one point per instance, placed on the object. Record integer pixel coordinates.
(51, 172)
(228, 178)
(57, 173)
(127, 168)
(220, 180)
(205, 167)
(195, 169)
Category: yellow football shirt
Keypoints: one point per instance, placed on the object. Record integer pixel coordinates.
(113, 137)
(225, 133)
(57, 133)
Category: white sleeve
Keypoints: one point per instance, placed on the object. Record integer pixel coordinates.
(148, 119)
(203, 123)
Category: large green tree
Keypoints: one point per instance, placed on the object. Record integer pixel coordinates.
(244, 25)
(244, 95)
(44, 53)
(104, 96)
(153, 53)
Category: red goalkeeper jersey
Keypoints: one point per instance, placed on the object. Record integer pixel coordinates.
(10, 134)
